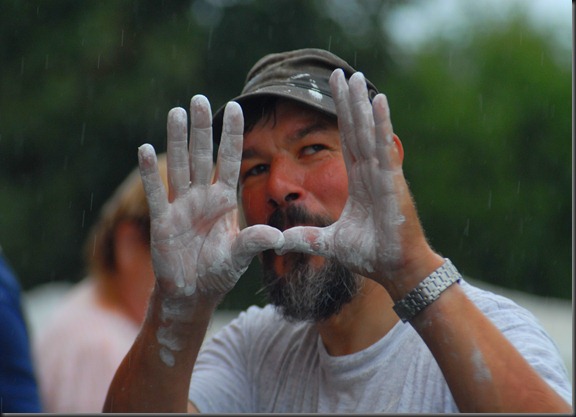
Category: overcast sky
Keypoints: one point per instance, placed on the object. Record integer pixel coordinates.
(412, 24)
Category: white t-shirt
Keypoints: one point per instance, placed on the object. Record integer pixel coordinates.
(262, 363)
(79, 350)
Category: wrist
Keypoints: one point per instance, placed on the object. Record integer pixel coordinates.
(184, 310)
(411, 273)
(427, 291)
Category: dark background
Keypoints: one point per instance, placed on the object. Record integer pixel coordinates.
(484, 115)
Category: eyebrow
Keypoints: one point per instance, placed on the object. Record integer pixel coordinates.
(316, 126)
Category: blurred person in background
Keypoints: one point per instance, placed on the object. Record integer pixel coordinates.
(89, 333)
(18, 385)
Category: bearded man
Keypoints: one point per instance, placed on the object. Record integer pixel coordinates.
(364, 315)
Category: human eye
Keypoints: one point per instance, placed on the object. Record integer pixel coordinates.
(255, 170)
(312, 149)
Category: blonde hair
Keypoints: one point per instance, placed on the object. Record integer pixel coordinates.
(128, 203)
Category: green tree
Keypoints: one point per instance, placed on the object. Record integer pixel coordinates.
(486, 122)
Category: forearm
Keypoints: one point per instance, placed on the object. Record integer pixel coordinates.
(484, 371)
(155, 374)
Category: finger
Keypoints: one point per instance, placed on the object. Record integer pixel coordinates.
(362, 115)
(306, 239)
(340, 93)
(350, 149)
(151, 180)
(200, 141)
(253, 240)
(230, 150)
(177, 153)
(383, 130)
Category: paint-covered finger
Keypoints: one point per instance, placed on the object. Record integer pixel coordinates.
(383, 130)
(306, 239)
(350, 148)
(253, 240)
(340, 92)
(200, 141)
(151, 180)
(230, 150)
(177, 152)
(362, 115)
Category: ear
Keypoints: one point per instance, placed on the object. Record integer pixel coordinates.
(399, 147)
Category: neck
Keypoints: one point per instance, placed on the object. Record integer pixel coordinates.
(361, 323)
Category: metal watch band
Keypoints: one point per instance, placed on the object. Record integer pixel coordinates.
(427, 291)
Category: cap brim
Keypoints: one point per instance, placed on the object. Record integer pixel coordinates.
(314, 98)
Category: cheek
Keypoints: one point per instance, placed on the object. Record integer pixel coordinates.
(253, 208)
(330, 186)
(327, 185)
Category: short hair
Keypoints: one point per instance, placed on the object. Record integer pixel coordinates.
(264, 108)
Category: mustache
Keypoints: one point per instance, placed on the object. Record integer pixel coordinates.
(294, 215)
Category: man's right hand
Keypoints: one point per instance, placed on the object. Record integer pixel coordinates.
(196, 244)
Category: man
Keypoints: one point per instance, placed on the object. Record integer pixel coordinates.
(344, 254)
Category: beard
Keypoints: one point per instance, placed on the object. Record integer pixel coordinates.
(305, 292)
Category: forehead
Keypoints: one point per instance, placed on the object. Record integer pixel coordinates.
(288, 124)
(285, 110)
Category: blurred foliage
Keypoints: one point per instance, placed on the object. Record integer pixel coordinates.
(486, 123)
(484, 118)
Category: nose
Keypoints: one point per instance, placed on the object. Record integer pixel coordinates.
(284, 184)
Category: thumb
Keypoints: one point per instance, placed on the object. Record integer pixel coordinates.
(306, 239)
(253, 240)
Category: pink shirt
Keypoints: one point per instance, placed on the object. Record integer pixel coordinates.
(79, 350)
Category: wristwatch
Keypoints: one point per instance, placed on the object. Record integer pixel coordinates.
(427, 291)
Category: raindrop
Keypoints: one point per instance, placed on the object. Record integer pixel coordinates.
(83, 134)
(122, 38)
(490, 200)
(210, 38)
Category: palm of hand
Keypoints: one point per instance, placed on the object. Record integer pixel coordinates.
(196, 243)
(366, 238)
(191, 243)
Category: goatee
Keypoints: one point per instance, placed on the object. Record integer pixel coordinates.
(305, 292)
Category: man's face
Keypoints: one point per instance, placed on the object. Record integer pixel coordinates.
(293, 173)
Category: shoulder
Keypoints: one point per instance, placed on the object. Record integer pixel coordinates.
(520, 326)
(496, 306)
